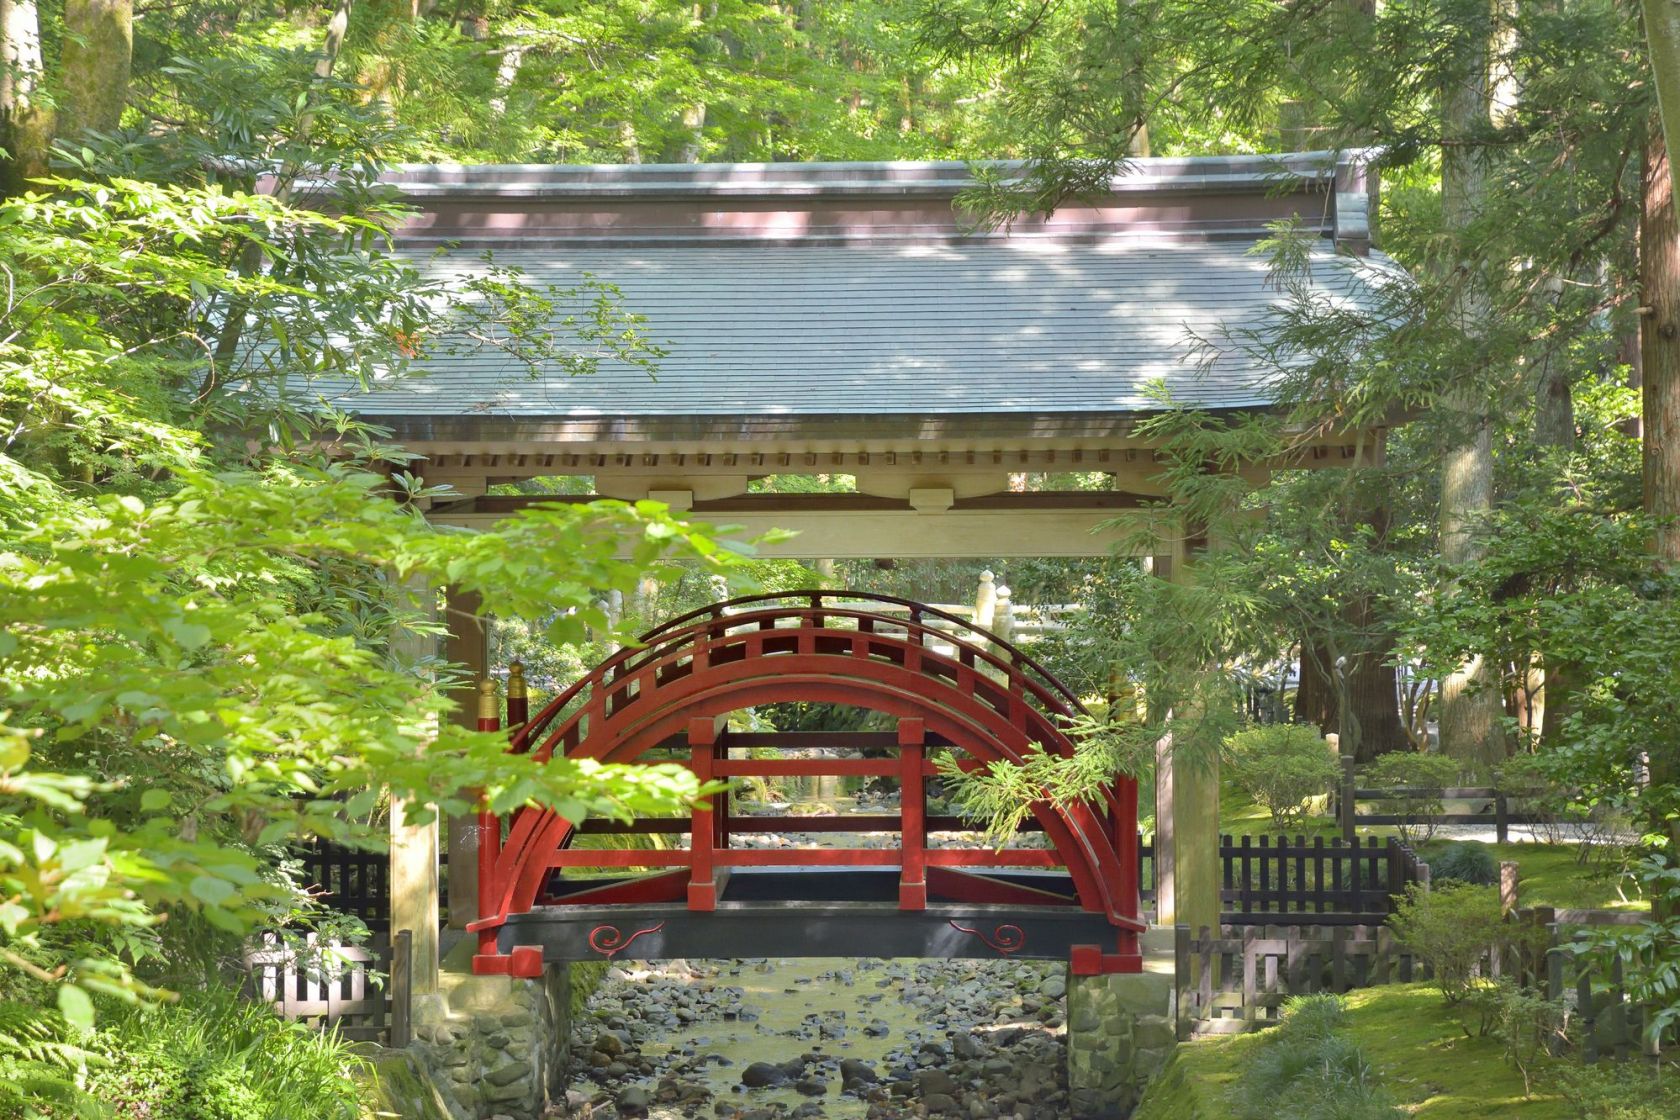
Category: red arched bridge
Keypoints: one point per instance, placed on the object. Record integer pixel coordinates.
(542, 898)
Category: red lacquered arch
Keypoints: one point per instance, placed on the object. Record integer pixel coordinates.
(985, 697)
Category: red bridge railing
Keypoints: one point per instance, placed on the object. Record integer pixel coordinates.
(983, 698)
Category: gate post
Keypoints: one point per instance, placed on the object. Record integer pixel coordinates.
(912, 807)
(468, 645)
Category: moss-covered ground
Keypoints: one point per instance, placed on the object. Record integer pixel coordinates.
(1433, 1070)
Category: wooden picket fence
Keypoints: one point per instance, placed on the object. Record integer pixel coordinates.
(349, 880)
(1279, 879)
(364, 994)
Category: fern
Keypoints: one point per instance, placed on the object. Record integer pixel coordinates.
(41, 1066)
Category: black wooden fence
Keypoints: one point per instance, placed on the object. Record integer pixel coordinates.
(349, 880)
(1240, 978)
(1494, 806)
(1271, 879)
(365, 994)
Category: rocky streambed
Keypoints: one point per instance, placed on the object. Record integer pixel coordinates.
(784, 1039)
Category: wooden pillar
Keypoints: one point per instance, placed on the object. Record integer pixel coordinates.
(912, 802)
(414, 842)
(488, 829)
(1187, 804)
(985, 601)
(468, 645)
(702, 877)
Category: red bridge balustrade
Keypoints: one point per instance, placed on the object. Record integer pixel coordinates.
(948, 687)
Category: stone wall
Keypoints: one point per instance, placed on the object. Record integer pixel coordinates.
(496, 1046)
(1120, 1033)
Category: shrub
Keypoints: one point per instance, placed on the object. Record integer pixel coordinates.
(1400, 769)
(1521, 1018)
(1451, 930)
(1281, 765)
(1466, 861)
(215, 1056)
(1308, 1070)
(1620, 1091)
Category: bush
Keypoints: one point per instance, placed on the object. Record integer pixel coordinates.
(1524, 1020)
(1451, 929)
(1621, 1091)
(1308, 1070)
(1281, 765)
(1466, 861)
(1400, 769)
(212, 1056)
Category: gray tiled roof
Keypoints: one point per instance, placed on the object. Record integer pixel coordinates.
(984, 327)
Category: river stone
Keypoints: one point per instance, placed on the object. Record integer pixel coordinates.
(635, 1097)
(965, 1046)
(935, 1082)
(940, 1102)
(1053, 987)
(811, 1086)
(762, 1074)
(610, 1043)
(856, 1069)
(508, 1074)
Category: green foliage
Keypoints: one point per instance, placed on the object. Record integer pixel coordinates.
(203, 661)
(216, 1056)
(1620, 1091)
(1309, 1069)
(1452, 929)
(1526, 1022)
(40, 1063)
(1423, 774)
(1282, 766)
(1465, 861)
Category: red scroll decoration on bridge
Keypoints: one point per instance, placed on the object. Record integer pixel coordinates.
(610, 940)
(1004, 939)
(945, 683)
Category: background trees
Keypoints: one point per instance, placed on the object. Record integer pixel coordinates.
(175, 269)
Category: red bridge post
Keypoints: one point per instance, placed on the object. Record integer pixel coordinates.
(702, 875)
(912, 807)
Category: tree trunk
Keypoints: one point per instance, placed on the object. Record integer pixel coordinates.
(1659, 281)
(694, 122)
(98, 52)
(25, 125)
(1659, 353)
(1471, 704)
(1662, 34)
(1315, 694)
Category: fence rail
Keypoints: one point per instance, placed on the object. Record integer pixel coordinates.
(349, 880)
(1498, 812)
(365, 994)
(1268, 879)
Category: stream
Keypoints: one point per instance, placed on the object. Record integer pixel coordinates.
(864, 1038)
(843, 1039)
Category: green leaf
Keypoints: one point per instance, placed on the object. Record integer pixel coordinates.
(75, 1006)
(210, 890)
(190, 635)
(154, 799)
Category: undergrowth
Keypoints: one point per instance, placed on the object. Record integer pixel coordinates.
(1308, 1068)
(211, 1056)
